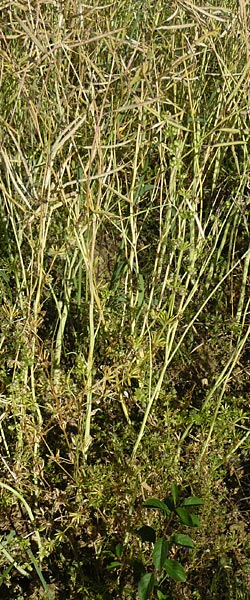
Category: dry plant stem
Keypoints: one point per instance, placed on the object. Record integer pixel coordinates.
(87, 249)
(245, 317)
(168, 347)
(131, 119)
(243, 287)
(90, 360)
(29, 511)
(170, 336)
(240, 443)
(13, 562)
(45, 218)
(222, 379)
(212, 293)
(244, 18)
(63, 310)
(172, 325)
(133, 256)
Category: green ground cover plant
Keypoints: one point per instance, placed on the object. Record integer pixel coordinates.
(124, 280)
(164, 567)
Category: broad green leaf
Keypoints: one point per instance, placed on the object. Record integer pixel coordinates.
(170, 503)
(146, 586)
(192, 501)
(146, 533)
(183, 540)
(187, 518)
(160, 553)
(156, 503)
(184, 516)
(195, 520)
(119, 550)
(138, 568)
(175, 493)
(175, 570)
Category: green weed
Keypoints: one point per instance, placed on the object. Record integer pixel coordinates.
(124, 280)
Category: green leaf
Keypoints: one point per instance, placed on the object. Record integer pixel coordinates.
(138, 568)
(162, 596)
(113, 565)
(156, 503)
(146, 586)
(170, 503)
(39, 573)
(142, 190)
(146, 533)
(175, 493)
(119, 550)
(175, 570)
(195, 520)
(192, 501)
(183, 540)
(120, 269)
(6, 573)
(160, 553)
(187, 518)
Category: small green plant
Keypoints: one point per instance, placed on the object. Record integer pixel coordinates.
(164, 567)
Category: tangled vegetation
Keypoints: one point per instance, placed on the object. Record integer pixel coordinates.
(124, 278)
